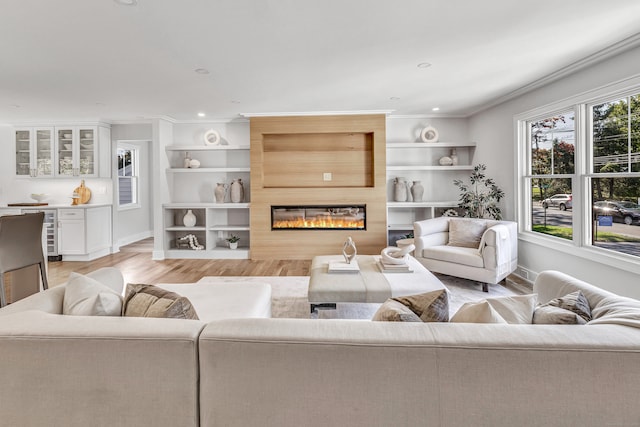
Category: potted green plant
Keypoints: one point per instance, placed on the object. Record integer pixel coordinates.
(233, 241)
(480, 198)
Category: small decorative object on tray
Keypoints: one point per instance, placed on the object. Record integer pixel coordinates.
(344, 267)
(394, 260)
(211, 137)
(349, 250)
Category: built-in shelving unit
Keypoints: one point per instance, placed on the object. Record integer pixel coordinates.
(192, 189)
(418, 161)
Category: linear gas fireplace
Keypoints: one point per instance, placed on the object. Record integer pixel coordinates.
(325, 217)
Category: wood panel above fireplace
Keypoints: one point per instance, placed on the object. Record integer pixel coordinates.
(290, 160)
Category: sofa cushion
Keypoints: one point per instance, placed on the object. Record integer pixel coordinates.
(84, 296)
(516, 309)
(427, 307)
(151, 301)
(572, 308)
(466, 233)
(454, 254)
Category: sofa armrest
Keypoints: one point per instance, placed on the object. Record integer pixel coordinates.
(430, 232)
(497, 247)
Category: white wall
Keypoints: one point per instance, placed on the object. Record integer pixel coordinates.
(493, 130)
(131, 225)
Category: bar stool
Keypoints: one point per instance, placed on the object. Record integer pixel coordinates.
(21, 246)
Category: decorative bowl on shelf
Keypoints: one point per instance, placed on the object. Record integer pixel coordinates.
(67, 146)
(66, 135)
(38, 197)
(88, 135)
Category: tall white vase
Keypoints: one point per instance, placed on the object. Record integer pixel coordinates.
(237, 191)
(189, 219)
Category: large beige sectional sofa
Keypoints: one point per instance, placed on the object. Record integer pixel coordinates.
(99, 371)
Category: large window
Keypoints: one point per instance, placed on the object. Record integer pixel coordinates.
(580, 174)
(550, 174)
(615, 181)
(127, 176)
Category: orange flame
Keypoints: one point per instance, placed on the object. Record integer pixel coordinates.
(320, 223)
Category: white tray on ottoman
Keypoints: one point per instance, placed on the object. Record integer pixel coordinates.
(215, 301)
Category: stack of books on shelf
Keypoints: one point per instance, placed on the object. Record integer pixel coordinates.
(394, 268)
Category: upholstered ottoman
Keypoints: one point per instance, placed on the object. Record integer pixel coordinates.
(226, 300)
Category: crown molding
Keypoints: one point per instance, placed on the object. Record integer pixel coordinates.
(599, 56)
(316, 113)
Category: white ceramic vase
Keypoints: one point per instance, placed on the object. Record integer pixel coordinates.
(399, 189)
(220, 192)
(237, 191)
(189, 219)
(417, 190)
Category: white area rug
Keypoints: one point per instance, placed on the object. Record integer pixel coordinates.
(289, 296)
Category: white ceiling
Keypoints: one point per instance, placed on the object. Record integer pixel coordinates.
(96, 59)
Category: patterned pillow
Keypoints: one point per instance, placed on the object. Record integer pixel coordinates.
(428, 307)
(152, 301)
(572, 308)
(466, 233)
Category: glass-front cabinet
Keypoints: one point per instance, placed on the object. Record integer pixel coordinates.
(35, 152)
(77, 151)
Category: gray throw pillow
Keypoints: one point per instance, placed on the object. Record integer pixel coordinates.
(427, 307)
(466, 233)
(572, 308)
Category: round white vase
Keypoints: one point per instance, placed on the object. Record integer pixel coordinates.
(189, 219)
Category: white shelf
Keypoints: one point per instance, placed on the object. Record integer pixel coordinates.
(429, 144)
(410, 205)
(184, 205)
(226, 227)
(207, 170)
(183, 228)
(429, 168)
(205, 147)
(399, 227)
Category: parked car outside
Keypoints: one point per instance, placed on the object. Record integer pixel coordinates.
(561, 201)
(626, 212)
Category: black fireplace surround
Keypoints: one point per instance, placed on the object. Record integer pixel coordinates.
(319, 217)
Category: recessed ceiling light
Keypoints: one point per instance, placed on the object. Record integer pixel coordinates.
(201, 114)
(424, 65)
(127, 2)
(435, 109)
(202, 71)
(394, 98)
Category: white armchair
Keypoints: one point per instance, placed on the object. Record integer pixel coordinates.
(476, 249)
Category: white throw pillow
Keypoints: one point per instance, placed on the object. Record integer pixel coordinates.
(84, 296)
(517, 309)
(477, 312)
(466, 233)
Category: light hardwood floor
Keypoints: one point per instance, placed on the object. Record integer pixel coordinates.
(135, 263)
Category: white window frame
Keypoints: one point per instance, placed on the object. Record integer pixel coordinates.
(580, 245)
(135, 177)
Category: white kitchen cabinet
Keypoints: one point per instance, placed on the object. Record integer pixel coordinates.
(84, 233)
(77, 151)
(35, 152)
(64, 151)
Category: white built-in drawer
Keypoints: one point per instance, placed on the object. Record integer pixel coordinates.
(71, 214)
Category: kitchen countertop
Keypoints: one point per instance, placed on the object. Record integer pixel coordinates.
(58, 206)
